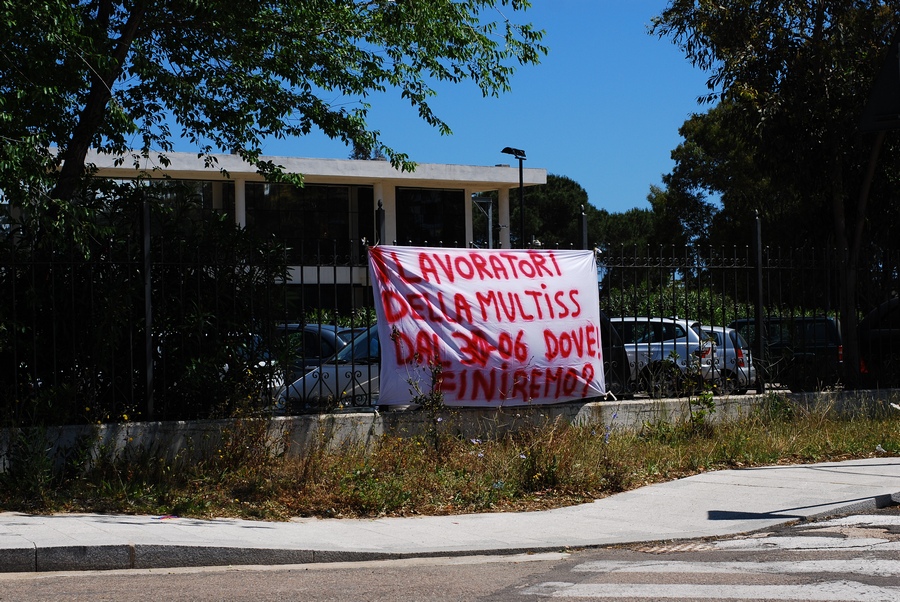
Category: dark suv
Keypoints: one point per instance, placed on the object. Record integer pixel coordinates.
(879, 346)
(616, 366)
(803, 353)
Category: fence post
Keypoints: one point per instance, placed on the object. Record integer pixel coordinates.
(584, 237)
(758, 317)
(148, 305)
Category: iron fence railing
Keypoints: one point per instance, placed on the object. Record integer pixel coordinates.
(230, 334)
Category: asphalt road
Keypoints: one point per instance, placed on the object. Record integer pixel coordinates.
(850, 558)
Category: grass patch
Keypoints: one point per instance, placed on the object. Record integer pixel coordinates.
(537, 467)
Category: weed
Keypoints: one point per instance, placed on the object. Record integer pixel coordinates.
(702, 407)
(430, 397)
(245, 472)
(775, 407)
(29, 465)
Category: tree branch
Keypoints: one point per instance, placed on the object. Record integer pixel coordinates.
(91, 116)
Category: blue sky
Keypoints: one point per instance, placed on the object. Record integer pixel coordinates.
(603, 108)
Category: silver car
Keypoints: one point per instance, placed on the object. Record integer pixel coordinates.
(734, 365)
(668, 356)
(349, 378)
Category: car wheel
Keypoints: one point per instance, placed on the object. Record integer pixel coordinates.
(887, 371)
(801, 380)
(726, 384)
(661, 380)
(280, 407)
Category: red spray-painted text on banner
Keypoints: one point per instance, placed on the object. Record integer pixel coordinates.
(505, 327)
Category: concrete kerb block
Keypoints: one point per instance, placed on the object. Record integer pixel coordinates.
(859, 507)
(84, 558)
(169, 556)
(323, 556)
(148, 556)
(17, 560)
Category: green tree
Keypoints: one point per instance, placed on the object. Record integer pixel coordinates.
(682, 217)
(72, 327)
(797, 74)
(360, 153)
(715, 159)
(632, 228)
(226, 75)
(553, 213)
(130, 77)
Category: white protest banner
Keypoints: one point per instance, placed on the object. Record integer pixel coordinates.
(506, 327)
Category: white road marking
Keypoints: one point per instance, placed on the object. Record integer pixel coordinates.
(843, 591)
(869, 520)
(807, 543)
(857, 566)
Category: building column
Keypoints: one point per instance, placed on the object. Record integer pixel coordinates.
(387, 194)
(503, 217)
(240, 203)
(470, 235)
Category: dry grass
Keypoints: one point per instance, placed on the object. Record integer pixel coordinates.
(551, 465)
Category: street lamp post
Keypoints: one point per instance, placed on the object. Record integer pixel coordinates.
(520, 155)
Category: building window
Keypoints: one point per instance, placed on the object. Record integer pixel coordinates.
(432, 217)
(318, 223)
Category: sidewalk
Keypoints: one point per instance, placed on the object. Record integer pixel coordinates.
(719, 503)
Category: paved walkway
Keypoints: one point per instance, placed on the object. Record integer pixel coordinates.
(718, 503)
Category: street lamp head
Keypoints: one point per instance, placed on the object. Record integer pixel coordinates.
(516, 152)
(520, 155)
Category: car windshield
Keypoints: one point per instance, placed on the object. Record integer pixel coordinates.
(348, 334)
(363, 348)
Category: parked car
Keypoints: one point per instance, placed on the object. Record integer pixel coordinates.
(802, 353)
(307, 345)
(350, 377)
(668, 356)
(190, 366)
(735, 372)
(879, 346)
(616, 365)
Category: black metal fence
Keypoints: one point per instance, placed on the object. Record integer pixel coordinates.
(188, 332)
(791, 293)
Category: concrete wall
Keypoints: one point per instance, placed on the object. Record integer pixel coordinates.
(296, 434)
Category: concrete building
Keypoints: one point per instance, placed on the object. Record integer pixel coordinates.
(334, 214)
